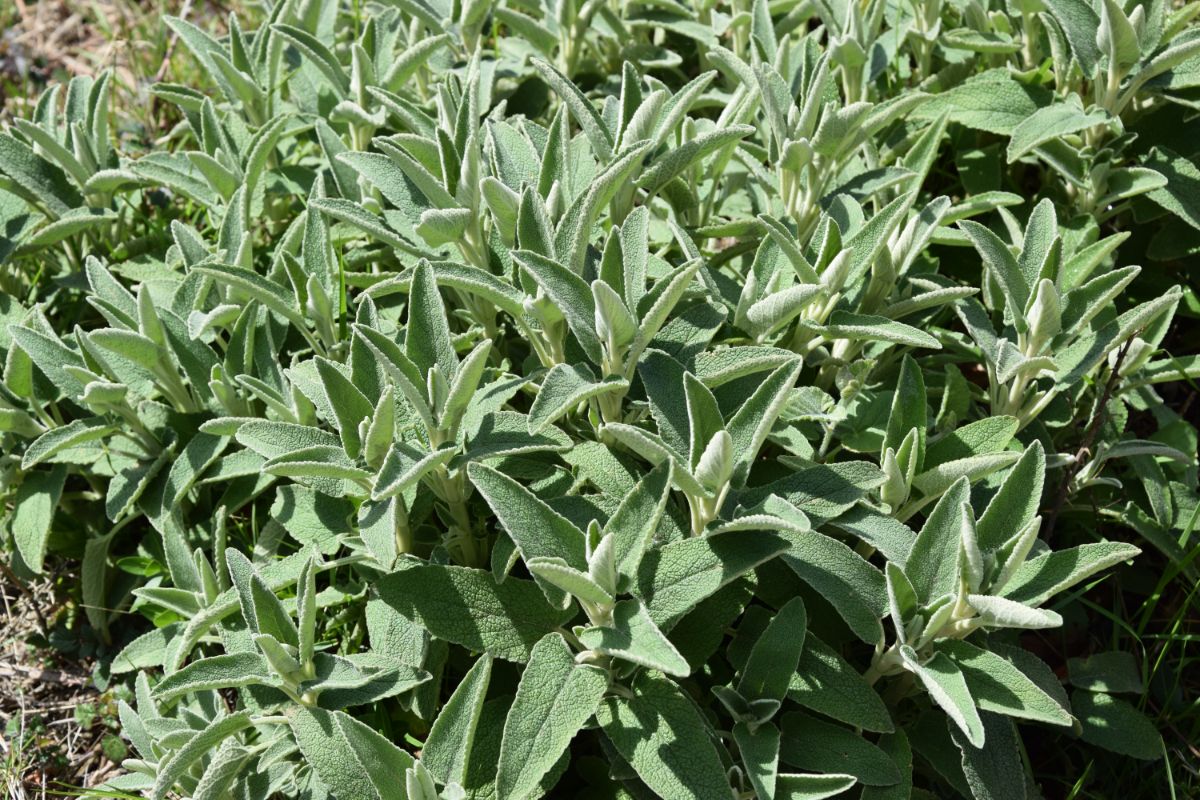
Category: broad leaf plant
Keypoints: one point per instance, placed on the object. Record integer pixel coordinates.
(505, 399)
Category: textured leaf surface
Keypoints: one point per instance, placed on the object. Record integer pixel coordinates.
(828, 684)
(1044, 576)
(946, 684)
(33, 513)
(1001, 687)
(634, 637)
(662, 735)
(812, 744)
(993, 772)
(776, 654)
(555, 698)
(447, 750)
(466, 606)
(672, 580)
(1114, 724)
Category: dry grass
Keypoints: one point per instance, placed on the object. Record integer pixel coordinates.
(51, 39)
(54, 732)
(47, 41)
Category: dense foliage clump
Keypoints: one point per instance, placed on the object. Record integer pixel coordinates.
(618, 400)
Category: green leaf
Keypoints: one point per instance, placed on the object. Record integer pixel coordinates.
(932, 564)
(430, 189)
(313, 518)
(999, 686)
(873, 328)
(1181, 195)
(1178, 60)
(317, 54)
(530, 29)
(1002, 265)
(32, 513)
(652, 448)
(222, 770)
(146, 650)
(506, 433)
(776, 654)
(57, 440)
(261, 609)
(829, 685)
(1015, 504)
(582, 111)
(947, 686)
(633, 636)
(564, 388)
(759, 750)
(381, 760)
(51, 357)
(636, 520)
(840, 127)
(72, 223)
(440, 226)
(814, 787)
(447, 750)
(1052, 122)
(1116, 37)
(392, 182)
(197, 457)
(575, 230)
(139, 349)
(1000, 612)
(704, 422)
(572, 581)
(779, 308)
(935, 481)
(570, 294)
(271, 439)
(835, 570)
(256, 287)
(667, 293)
(754, 419)
(1116, 725)
(991, 101)
(812, 744)
(555, 699)
(993, 772)
(678, 160)
(537, 530)
(381, 427)
(353, 214)
(404, 466)
(214, 672)
(909, 412)
(1112, 672)
(467, 607)
(427, 337)
(1040, 578)
(325, 466)
(350, 406)
(897, 746)
(1080, 23)
(175, 766)
(677, 576)
(665, 739)
(321, 736)
(177, 173)
(37, 177)
(983, 437)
